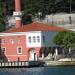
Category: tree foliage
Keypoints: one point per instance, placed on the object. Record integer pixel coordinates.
(45, 6)
(65, 39)
(69, 40)
(58, 39)
(34, 6)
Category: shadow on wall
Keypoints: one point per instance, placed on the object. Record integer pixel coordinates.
(3, 58)
(50, 50)
(46, 51)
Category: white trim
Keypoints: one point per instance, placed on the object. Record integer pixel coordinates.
(18, 33)
(5, 50)
(16, 55)
(17, 50)
(17, 13)
(11, 40)
(18, 18)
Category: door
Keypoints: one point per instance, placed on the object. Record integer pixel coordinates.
(32, 54)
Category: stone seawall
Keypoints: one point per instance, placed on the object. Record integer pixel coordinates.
(59, 63)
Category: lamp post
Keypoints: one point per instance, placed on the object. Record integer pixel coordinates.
(39, 14)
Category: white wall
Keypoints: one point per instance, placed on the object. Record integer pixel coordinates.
(60, 18)
(31, 34)
(48, 39)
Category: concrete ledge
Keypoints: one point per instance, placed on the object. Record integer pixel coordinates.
(67, 59)
(59, 63)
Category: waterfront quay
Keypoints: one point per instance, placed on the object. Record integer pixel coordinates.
(31, 64)
(20, 64)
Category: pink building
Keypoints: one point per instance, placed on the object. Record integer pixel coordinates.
(24, 43)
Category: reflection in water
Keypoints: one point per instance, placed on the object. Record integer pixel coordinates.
(21, 71)
(38, 71)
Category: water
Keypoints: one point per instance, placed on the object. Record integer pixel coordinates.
(38, 71)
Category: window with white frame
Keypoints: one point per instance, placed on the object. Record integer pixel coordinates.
(3, 41)
(11, 40)
(19, 50)
(29, 38)
(38, 38)
(19, 39)
(34, 39)
(3, 50)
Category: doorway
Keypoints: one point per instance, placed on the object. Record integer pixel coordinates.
(32, 54)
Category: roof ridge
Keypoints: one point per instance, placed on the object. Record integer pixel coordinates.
(35, 26)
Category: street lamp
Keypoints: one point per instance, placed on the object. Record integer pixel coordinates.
(39, 14)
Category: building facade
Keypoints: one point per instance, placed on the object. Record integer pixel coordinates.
(25, 43)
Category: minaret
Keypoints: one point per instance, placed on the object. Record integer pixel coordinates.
(17, 14)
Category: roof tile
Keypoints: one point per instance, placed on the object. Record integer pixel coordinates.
(35, 27)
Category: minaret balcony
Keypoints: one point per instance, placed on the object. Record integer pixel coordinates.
(17, 13)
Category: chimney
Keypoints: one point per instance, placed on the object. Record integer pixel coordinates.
(18, 13)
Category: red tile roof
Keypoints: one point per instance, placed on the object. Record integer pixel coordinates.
(35, 27)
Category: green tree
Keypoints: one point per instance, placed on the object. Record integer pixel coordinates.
(69, 40)
(58, 38)
(65, 39)
(34, 6)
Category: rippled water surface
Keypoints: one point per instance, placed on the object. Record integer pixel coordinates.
(38, 71)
